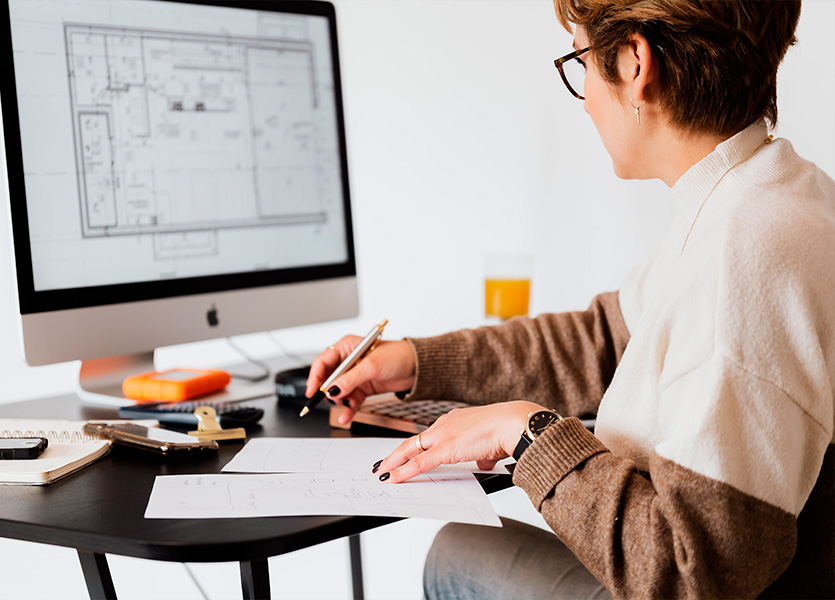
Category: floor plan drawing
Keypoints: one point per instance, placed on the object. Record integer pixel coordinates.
(169, 126)
(447, 496)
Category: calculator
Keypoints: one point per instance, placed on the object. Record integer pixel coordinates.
(390, 412)
(229, 414)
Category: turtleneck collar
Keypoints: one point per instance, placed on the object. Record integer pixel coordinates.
(692, 188)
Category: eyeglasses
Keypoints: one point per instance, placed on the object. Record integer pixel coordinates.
(573, 72)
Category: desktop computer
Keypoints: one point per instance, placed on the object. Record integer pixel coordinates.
(177, 172)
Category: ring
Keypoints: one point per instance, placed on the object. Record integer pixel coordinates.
(419, 444)
(331, 347)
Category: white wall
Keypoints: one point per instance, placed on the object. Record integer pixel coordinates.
(462, 139)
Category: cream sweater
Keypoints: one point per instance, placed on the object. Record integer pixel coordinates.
(712, 375)
(730, 368)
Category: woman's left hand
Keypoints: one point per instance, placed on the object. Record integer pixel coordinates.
(485, 434)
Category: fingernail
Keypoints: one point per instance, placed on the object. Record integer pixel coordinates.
(376, 466)
(385, 476)
(333, 391)
(346, 402)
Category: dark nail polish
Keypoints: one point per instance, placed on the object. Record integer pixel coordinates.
(385, 476)
(329, 400)
(346, 402)
(333, 391)
(376, 466)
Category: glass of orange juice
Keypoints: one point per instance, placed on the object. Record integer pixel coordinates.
(507, 285)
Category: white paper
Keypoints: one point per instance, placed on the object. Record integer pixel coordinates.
(449, 496)
(333, 455)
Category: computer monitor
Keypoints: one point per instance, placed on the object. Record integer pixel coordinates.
(177, 172)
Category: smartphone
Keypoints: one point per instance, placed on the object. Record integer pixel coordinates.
(15, 448)
(154, 439)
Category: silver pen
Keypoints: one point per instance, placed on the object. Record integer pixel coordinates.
(364, 347)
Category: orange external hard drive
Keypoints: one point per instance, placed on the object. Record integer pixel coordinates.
(174, 385)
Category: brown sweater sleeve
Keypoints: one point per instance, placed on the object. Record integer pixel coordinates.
(563, 361)
(669, 533)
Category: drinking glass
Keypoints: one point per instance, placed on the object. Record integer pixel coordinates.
(507, 285)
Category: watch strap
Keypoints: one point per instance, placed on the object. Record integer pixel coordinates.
(524, 442)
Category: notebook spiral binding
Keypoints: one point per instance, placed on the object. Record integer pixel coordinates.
(59, 437)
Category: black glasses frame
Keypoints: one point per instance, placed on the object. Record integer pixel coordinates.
(564, 59)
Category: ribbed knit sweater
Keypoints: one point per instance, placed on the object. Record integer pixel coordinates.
(711, 373)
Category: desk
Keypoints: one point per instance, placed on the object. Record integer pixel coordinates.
(100, 509)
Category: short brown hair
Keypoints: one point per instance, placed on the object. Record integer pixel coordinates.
(718, 58)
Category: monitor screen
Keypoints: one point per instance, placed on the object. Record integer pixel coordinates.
(171, 148)
(175, 149)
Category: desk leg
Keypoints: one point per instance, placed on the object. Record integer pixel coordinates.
(97, 575)
(356, 566)
(255, 579)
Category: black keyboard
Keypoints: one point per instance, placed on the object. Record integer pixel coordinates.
(229, 414)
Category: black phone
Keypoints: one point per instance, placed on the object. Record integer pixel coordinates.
(16, 448)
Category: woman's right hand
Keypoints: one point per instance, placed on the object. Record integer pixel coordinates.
(390, 367)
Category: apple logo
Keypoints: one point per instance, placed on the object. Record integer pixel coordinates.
(211, 316)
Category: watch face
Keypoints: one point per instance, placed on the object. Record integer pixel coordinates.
(540, 420)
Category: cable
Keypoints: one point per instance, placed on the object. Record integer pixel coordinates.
(302, 362)
(251, 378)
(197, 583)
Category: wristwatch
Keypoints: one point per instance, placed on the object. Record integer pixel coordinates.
(538, 421)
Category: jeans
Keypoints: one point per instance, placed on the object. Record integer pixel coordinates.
(473, 562)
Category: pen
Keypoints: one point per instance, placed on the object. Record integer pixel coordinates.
(364, 347)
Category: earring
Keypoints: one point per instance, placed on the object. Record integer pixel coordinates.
(637, 109)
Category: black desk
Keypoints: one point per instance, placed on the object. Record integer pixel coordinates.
(100, 509)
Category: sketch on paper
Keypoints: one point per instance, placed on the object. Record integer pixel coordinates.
(336, 455)
(454, 497)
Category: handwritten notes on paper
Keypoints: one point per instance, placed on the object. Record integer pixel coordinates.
(277, 477)
(451, 497)
(311, 455)
(338, 455)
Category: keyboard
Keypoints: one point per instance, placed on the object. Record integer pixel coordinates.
(229, 414)
(390, 412)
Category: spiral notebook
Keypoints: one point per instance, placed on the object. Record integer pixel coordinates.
(69, 450)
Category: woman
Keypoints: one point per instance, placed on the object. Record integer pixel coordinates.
(711, 371)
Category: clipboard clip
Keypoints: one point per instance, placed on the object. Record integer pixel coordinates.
(209, 429)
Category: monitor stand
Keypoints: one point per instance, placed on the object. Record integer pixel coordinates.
(100, 381)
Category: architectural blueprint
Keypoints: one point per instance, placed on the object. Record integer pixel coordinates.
(163, 140)
(169, 127)
(451, 497)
